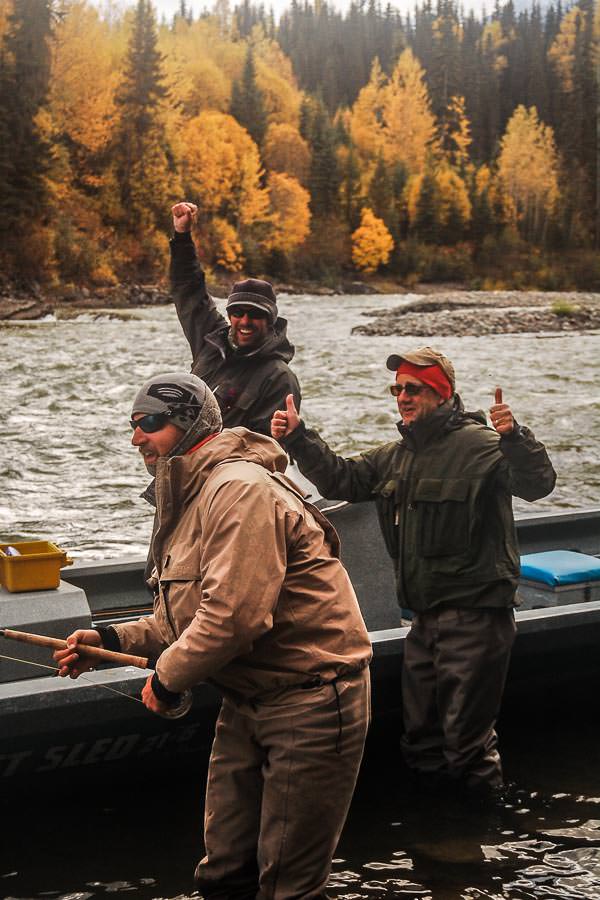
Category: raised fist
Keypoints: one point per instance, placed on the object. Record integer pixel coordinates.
(184, 216)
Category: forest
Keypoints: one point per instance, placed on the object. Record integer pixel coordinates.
(436, 146)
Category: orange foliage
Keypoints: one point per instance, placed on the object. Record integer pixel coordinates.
(285, 150)
(221, 169)
(84, 78)
(291, 212)
(372, 243)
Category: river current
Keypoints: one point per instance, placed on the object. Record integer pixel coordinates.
(69, 474)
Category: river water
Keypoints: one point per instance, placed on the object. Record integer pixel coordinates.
(70, 476)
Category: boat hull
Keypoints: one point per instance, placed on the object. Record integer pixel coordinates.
(50, 725)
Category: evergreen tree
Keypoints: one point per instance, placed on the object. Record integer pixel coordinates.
(142, 87)
(350, 196)
(425, 224)
(247, 104)
(381, 194)
(443, 73)
(140, 155)
(24, 81)
(573, 60)
(324, 177)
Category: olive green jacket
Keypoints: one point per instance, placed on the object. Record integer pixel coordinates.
(443, 495)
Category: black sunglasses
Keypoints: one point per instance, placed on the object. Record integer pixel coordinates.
(410, 389)
(150, 423)
(240, 311)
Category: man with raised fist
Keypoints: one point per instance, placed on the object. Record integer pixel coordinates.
(245, 361)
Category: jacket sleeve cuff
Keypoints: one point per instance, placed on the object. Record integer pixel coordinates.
(515, 434)
(109, 637)
(162, 693)
(182, 237)
(296, 436)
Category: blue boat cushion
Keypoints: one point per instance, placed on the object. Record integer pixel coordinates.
(558, 567)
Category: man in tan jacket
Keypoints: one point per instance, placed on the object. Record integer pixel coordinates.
(250, 595)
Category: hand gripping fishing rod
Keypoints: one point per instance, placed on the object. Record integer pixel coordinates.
(92, 652)
(181, 708)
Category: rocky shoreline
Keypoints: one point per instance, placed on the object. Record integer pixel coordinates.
(36, 303)
(478, 313)
(441, 309)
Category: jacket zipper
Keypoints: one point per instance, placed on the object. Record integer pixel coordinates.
(161, 590)
(405, 470)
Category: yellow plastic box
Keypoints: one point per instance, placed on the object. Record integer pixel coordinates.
(37, 568)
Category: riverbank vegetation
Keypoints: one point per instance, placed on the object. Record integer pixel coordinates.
(439, 146)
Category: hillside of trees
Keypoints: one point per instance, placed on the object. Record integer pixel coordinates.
(430, 147)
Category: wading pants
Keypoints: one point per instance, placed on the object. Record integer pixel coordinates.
(280, 781)
(455, 664)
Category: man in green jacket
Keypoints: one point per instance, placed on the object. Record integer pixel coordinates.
(244, 361)
(444, 498)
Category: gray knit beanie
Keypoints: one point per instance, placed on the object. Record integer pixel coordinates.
(187, 400)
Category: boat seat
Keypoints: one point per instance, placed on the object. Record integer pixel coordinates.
(557, 577)
(560, 567)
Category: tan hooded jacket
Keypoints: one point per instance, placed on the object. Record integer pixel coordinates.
(252, 594)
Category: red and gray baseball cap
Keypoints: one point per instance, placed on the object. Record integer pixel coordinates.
(425, 357)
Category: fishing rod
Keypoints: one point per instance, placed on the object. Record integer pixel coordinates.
(92, 652)
(181, 708)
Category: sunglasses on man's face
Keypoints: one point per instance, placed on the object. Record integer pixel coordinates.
(240, 311)
(410, 389)
(151, 423)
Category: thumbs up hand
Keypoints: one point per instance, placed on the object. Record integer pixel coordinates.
(286, 420)
(501, 415)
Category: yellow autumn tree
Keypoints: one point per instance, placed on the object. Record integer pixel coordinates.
(562, 52)
(221, 171)
(5, 12)
(409, 124)
(78, 121)
(276, 80)
(222, 245)
(494, 41)
(392, 118)
(200, 64)
(285, 150)
(366, 118)
(290, 208)
(372, 244)
(454, 202)
(456, 134)
(528, 171)
(84, 78)
(451, 211)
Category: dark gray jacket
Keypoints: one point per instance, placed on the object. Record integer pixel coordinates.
(249, 387)
(444, 498)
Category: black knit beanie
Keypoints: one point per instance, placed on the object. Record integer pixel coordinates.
(255, 293)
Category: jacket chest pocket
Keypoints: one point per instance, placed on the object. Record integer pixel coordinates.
(443, 516)
(240, 388)
(228, 396)
(388, 495)
(178, 590)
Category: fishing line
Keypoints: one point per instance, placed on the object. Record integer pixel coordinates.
(106, 687)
